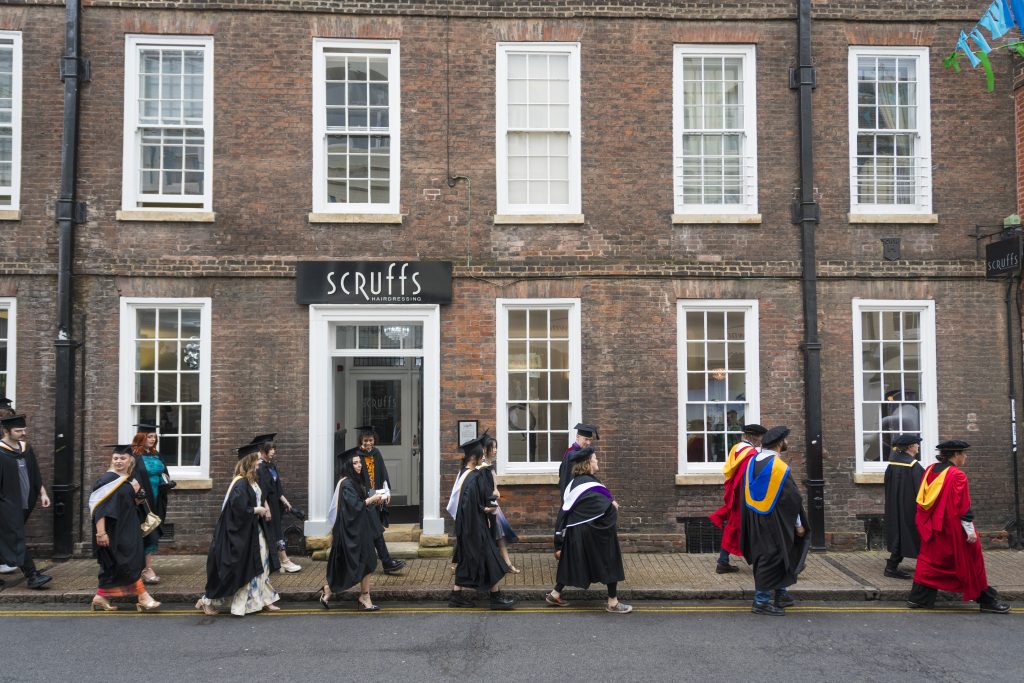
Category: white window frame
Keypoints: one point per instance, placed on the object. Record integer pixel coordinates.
(126, 418)
(923, 148)
(502, 307)
(320, 203)
(749, 103)
(929, 376)
(573, 207)
(131, 199)
(10, 304)
(16, 107)
(751, 340)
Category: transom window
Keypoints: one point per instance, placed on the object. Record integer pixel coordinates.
(715, 141)
(10, 119)
(718, 379)
(356, 115)
(889, 131)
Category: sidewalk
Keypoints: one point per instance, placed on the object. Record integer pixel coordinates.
(852, 576)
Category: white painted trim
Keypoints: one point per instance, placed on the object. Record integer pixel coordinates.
(10, 304)
(929, 377)
(751, 338)
(319, 183)
(749, 155)
(502, 307)
(17, 76)
(130, 197)
(923, 205)
(126, 385)
(321, 422)
(574, 207)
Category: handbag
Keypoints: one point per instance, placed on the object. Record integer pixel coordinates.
(151, 522)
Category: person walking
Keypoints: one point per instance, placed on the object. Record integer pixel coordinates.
(774, 536)
(950, 557)
(375, 478)
(352, 558)
(272, 489)
(149, 471)
(500, 525)
(118, 544)
(586, 535)
(902, 482)
(21, 487)
(585, 435)
(729, 517)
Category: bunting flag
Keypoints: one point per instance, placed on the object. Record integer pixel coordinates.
(962, 45)
(998, 20)
(980, 41)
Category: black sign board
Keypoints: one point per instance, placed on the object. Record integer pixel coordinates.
(373, 282)
(1002, 257)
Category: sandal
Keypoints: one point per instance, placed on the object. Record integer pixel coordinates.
(151, 578)
(271, 608)
(512, 569)
(363, 607)
(557, 602)
(208, 609)
(324, 599)
(101, 604)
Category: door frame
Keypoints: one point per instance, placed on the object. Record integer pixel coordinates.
(321, 421)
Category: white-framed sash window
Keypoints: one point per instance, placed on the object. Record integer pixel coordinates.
(10, 119)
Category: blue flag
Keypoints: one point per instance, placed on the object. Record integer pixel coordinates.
(966, 49)
(980, 40)
(997, 20)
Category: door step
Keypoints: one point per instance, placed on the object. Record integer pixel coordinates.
(399, 533)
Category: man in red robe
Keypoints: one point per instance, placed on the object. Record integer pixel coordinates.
(728, 517)
(950, 557)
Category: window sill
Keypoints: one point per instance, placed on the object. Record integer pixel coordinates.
(10, 214)
(709, 479)
(907, 218)
(389, 218)
(168, 216)
(716, 218)
(193, 485)
(869, 477)
(539, 219)
(525, 479)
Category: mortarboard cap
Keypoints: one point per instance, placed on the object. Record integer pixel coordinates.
(953, 445)
(367, 430)
(774, 436)
(263, 438)
(755, 429)
(13, 422)
(4, 401)
(904, 440)
(581, 454)
(120, 448)
(248, 449)
(145, 428)
(589, 431)
(473, 446)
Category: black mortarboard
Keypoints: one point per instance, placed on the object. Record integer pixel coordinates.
(367, 430)
(145, 428)
(473, 446)
(263, 438)
(755, 429)
(581, 454)
(904, 440)
(589, 431)
(13, 422)
(953, 445)
(774, 436)
(4, 401)
(120, 448)
(248, 449)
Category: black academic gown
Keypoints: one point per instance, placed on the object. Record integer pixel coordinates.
(12, 514)
(769, 541)
(122, 561)
(157, 499)
(272, 489)
(380, 475)
(565, 470)
(487, 485)
(480, 564)
(590, 550)
(234, 556)
(352, 553)
(902, 481)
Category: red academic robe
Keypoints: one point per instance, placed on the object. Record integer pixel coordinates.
(729, 517)
(946, 560)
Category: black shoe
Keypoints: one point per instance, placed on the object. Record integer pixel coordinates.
(499, 601)
(897, 574)
(995, 607)
(393, 566)
(784, 600)
(725, 568)
(38, 580)
(768, 609)
(459, 599)
(2, 583)
(917, 605)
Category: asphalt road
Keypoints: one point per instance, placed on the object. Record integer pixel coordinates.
(412, 643)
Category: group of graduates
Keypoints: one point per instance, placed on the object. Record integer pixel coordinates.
(927, 511)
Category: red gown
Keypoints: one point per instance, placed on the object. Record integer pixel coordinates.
(729, 517)
(946, 561)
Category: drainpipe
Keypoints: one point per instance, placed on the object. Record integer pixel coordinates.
(805, 212)
(73, 70)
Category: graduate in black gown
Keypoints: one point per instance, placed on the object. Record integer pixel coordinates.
(353, 558)
(272, 488)
(774, 534)
(586, 535)
(117, 537)
(480, 565)
(585, 435)
(21, 487)
(902, 482)
(375, 478)
(240, 561)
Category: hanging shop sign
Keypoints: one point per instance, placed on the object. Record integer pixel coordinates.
(373, 282)
(1002, 257)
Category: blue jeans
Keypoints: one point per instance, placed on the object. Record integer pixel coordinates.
(723, 556)
(766, 596)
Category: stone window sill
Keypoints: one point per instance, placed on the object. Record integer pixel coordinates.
(525, 479)
(168, 216)
(906, 218)
(709, 479)
(384, 218)
(716, 219)
(869, 477)
(193, 485)
(10, 214)
(539, 219)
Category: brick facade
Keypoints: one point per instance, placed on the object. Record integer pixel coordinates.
(627, 263)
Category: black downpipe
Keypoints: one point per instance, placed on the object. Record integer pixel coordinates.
(72, 71)
(1015, 530)
(803, 79)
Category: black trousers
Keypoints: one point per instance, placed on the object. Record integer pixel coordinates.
(613, 589)
(29, 568)
(893, 563)
(382, 550)
(923, 595)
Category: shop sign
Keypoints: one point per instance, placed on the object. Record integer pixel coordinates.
(373, 282)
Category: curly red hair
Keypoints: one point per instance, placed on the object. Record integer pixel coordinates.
(139, 443)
